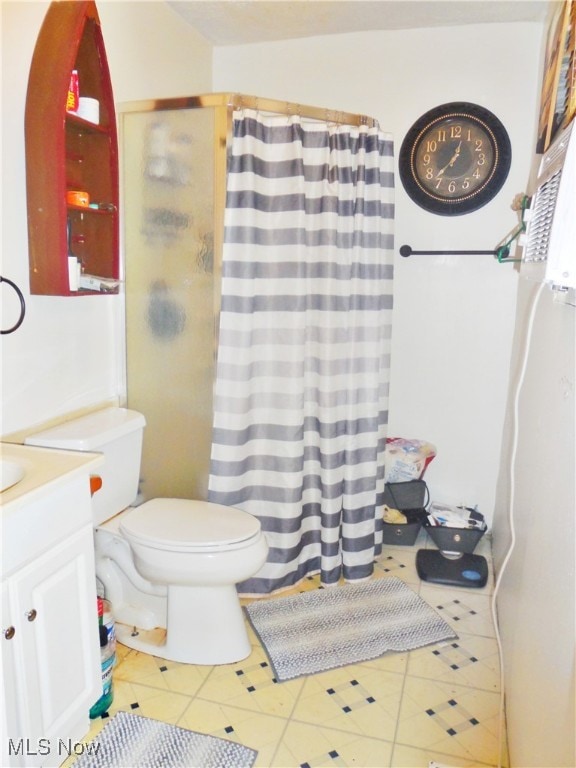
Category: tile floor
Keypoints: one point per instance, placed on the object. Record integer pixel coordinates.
(439, 703)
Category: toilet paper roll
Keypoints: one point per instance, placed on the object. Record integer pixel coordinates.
(89, 109)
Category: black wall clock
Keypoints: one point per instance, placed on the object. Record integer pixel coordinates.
(455, 158)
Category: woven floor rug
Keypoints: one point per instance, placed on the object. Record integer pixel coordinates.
(131, 741)
(327, 628)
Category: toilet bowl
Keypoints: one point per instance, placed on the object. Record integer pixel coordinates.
(168, 563)
(199, 551)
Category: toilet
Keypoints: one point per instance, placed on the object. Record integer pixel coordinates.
(167, 563)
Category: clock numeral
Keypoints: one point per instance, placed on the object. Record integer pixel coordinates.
(456, 132)
(476, 173)
(439, 183)
(478, 147)
(431, 146)
(466, 183)
(426, 159)
(441, 134)
(481, 158)
(429, 173)
(452, 187)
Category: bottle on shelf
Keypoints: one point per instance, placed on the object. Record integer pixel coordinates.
(73, 97)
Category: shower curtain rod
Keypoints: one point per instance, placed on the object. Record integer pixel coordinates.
(241, 101)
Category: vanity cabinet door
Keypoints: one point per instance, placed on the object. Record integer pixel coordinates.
(8, 710)
(57, 660)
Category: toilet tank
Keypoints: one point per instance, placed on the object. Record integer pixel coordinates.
(115, 432)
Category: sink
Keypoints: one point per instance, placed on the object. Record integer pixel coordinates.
(10, 473)
(45, 496)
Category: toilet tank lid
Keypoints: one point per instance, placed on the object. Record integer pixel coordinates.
(90, 432)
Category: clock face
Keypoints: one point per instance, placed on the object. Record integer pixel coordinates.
(455, 158)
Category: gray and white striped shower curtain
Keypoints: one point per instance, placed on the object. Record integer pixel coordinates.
(301, 395)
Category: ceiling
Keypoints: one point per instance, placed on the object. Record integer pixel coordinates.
(235, 22)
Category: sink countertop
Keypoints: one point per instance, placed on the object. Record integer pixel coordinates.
(45, 468)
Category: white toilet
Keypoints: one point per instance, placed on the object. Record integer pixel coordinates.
(169, 563)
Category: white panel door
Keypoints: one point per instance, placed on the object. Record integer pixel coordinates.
(58, 661)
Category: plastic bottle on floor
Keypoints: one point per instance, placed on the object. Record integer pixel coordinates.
(108, 658)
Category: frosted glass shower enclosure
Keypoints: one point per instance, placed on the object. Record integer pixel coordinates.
(173, 177)
(173, 180)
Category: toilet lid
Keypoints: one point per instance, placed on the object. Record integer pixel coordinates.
(190, 525)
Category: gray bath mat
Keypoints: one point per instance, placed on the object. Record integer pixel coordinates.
(327, 628)
(131, 741)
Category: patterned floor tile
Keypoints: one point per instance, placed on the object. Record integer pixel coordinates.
(398, 561)
(121, 652)
(470, 660)
(141, 667)
(148, 702)
(466, 611)
(450, 720)
(308, 746)
(356, 698)
(160, 673)
(409, 757)
(440, 702)
(250, 684)
(389, 662)
(252, 729)
(484, 548)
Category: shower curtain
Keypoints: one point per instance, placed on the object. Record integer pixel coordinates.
(301, 394)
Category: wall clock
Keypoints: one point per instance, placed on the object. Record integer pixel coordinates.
(455, 158)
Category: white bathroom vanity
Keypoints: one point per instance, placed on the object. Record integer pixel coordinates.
(51, 672)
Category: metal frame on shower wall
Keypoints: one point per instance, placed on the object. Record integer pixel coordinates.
(241, 101)
(192, 482)
(224, 105)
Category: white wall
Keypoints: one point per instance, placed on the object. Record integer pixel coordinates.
(537, 600)
(459, 332)
(67, 355)
(454, 315)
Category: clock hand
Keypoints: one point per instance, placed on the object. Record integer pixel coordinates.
(456, 154)
(451, 162)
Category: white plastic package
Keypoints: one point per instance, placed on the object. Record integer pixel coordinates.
(455, 517)
(406, 459)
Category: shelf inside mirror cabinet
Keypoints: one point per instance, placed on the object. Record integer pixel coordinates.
(65, 153)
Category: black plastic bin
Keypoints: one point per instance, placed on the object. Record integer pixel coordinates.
(411, 498)
(449, 539)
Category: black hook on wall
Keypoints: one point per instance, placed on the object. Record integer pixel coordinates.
(22, 305)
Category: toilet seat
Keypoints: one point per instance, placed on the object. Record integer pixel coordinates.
(185, 525)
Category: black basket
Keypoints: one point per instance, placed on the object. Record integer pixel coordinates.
(411, 498)
(449, 539)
